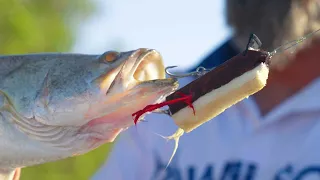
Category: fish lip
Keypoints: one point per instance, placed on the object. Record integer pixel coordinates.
(143, 58)
(125, 74)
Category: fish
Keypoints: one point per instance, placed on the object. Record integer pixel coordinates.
(58, 105)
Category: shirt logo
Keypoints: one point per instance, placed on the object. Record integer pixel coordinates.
(231, 170)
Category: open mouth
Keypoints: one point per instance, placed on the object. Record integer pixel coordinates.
(148, 66)
(142, 66)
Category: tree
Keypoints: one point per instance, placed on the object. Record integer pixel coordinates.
(28, 26)
(38, 25)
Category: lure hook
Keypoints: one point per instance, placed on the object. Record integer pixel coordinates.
(198, 72)
(163, 111)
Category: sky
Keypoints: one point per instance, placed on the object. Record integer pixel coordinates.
(182, 31)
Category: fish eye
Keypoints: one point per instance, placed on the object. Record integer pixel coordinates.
(110, 56)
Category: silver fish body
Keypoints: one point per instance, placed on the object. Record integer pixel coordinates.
(57, 105)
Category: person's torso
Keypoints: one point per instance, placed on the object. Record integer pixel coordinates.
(238, 145)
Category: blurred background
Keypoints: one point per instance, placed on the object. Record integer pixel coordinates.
(183, 31)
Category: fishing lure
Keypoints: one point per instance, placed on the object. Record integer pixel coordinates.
(219, 88)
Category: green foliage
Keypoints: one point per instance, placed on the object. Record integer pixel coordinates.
(28, 26)
(80, 167)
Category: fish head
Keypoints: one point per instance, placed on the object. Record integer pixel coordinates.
(73, 103)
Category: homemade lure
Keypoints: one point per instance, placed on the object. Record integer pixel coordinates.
(217, 89)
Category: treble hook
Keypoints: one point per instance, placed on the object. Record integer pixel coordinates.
(199, 72)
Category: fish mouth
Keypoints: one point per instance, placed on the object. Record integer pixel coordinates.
(140, 81)
(148, 65)
(141, 67)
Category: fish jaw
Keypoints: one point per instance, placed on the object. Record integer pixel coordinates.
(106, 128)
(141, 74)
(140, 82)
